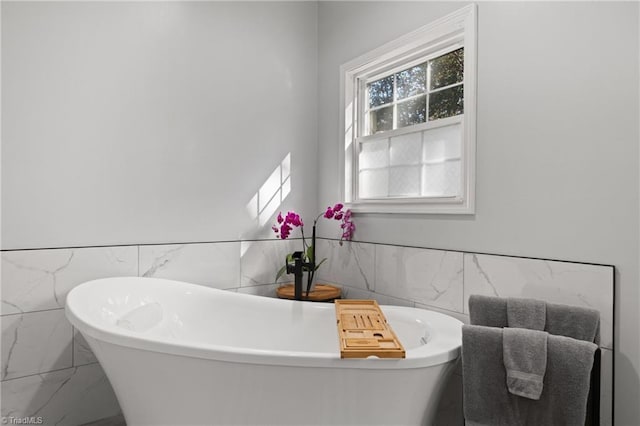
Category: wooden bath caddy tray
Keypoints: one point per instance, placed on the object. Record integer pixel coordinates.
(363, 331)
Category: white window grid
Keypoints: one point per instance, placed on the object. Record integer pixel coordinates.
(449, 33)
(404, 65)
(363, 114)
(443, 122)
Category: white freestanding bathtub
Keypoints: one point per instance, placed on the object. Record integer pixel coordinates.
(183, 354)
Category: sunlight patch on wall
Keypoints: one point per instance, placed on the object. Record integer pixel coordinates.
(270, 196)
(272, 193)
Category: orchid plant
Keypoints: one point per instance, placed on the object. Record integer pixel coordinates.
(292, 220)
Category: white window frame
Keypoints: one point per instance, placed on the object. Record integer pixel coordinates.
(455, 30)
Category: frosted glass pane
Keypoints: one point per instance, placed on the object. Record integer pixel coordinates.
(404, 181)
(374, 154)
(442, 143)
(441, 180)
(406, 149)
(374, 183)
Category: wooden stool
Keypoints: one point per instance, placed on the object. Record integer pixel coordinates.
(321, 293)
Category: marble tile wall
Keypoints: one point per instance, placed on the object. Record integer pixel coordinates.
(36, 280)
(261, 260)
(559, 282)
(48, 369)
(212, 265)
(72, 396)
(443, 280)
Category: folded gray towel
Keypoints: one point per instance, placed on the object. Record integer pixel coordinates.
(525, 360)
(561, 320)
(526, 313)
(487, 311)
(573, 321)
(487, 400)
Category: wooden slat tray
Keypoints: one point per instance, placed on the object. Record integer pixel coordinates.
(363, 331)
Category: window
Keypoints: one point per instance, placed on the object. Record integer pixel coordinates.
(409, 121)
(433, 89)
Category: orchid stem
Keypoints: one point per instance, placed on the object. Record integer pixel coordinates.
(312, 260)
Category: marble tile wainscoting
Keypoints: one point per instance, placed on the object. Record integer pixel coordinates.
(49, 371)
(443, 280)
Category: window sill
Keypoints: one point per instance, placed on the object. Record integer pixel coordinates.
(415, 206)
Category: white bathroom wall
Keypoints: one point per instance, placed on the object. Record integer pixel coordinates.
(154, 122)
(557, 142)
(128, 123)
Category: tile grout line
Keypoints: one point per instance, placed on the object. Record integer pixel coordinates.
(57, 370)
(139, 244)
(478, 253)
(331, 239)
(464, 284)
(73, 346)
(375, 268)
(240, 266)
(31, 312)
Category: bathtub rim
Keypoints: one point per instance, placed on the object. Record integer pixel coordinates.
(420, 357)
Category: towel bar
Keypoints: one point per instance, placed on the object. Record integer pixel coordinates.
(593, 400)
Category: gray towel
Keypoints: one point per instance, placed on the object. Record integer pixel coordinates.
(561, 320)
(488, 311)
(573, 321)
(525, 361)
(526, 313)
(487, 400)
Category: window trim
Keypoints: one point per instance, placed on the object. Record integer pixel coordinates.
(457, 28)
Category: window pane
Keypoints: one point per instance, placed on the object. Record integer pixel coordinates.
(442, 143)
(374, 183)
(406, 149)
(374, 154)
(413, 111)
(380, 91)
(441, 180)
(404, 181)
(411, 81)
(447, 69)
(446, 103)
(381, 120)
